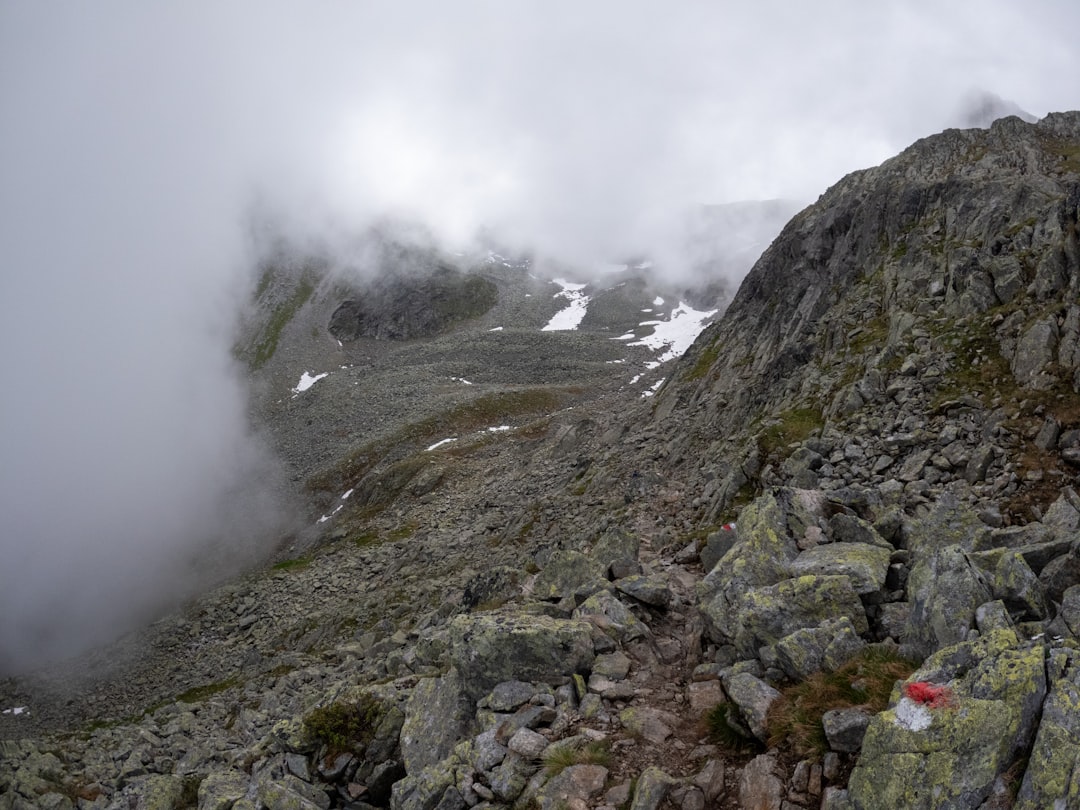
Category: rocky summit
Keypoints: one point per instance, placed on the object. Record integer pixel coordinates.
(829, 556)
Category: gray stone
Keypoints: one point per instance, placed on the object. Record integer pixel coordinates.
(845, 728)
(615, 666)
(945, 589)
(437, 714)
(1052, 778)
(614, 546)
(1018, 587)
(578, 782)
(651, 590)
(652, 787)
(527, 743)
(760, 786)
(753, 697)
(490, 648)
(865, 565)
(611, 616)
(569, 574)
(509, 695)
(219, 790)
(1060, 574)
(508, 779)
(654, 725)
(717, 544)
(814, 649)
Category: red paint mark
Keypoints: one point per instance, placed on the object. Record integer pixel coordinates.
(929, 694)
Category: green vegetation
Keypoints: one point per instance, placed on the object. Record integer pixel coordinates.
(291, 565)
(265, 344)
(705, 361)
(490, 409)
(345, 726)
(562, 757)
(790, 427)
(1067, 151)
(866, 682)
(198, 694)
(724, 734)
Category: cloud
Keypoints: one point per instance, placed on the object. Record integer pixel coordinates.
(134, 138)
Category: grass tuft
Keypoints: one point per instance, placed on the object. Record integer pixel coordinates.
(866, 682)
(722, 732)
(565, 756)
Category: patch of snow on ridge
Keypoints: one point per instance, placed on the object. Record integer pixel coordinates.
(307, 380)
(15, 711)
(653, 388)
(571, 316)
(498, 429)
(440, 444)
(677, 333)
(658, 301)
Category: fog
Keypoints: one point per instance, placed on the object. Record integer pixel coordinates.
(135, 139)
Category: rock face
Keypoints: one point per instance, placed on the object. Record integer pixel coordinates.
(870, 454)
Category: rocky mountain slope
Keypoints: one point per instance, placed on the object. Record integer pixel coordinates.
(831, 562)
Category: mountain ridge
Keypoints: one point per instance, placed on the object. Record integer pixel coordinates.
(888, 407)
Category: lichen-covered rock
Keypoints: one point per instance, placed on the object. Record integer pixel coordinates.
(761, 556)
(766, 615)
(290, 793)
(489, 648)
(608, 614)
(219, 790)
(1052, 778)
(437, 714)
(652, 590)
(652, 786)
(1017, 586)
(615, 546)
(580, 782)
(948, 523)
(948, 753)
(753, 697)
(865, 565)
(424, 789)
(569, 573)
(944, 589)
(813, 649)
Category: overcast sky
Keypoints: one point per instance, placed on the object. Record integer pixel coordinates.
(135, 136)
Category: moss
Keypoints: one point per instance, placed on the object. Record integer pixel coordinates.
(790, 427)
(705, 361)
(266, 343)
(344, 726)
(295, 564)
(198, 694)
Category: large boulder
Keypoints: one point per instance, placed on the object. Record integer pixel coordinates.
(764, 616)
(1052, 778)
(489, 648)
(945, 588)
(761, 556)
(569, 573)
(865, 565)
(957, 726)
(437, 714)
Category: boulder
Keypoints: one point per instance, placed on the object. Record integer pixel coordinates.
(1052, 778)
(813, 649)
(487, 649)
(761, 556)
(569, 573)
(946, 745)
(865, 565)
(651, 590)
(437, 714)
(944, 589)
(611, 616)
(753, 697)
(764, 616)
(615, 546)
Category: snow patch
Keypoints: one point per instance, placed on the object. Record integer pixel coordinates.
(461, 380)
(676, 334)
(440, 444)
(307, 380)
(658, 301)
(345, 497)
(496, 329)
(569, 317)
(653, 388)
(16, 710)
